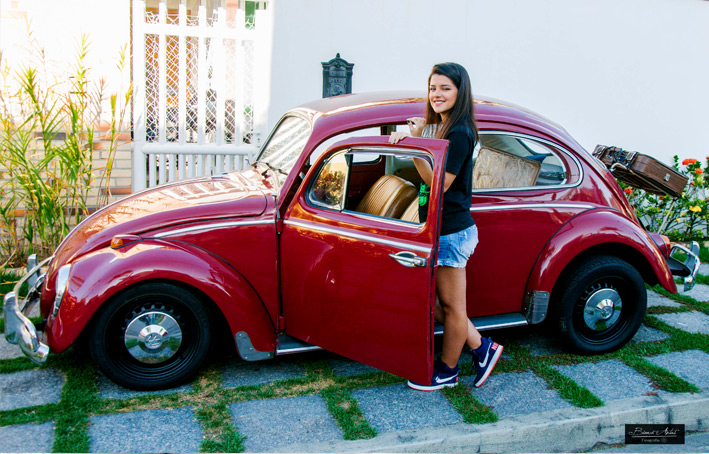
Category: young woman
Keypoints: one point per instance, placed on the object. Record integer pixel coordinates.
(449, 114)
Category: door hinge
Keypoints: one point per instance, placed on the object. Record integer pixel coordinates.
(281, 323)
(279, 226)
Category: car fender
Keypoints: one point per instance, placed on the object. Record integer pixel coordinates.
(606, 230)
(98, 276)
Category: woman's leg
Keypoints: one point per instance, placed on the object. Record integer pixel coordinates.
(457, 327)
(474, 337)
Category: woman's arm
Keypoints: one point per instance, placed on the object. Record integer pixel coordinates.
(424, 169)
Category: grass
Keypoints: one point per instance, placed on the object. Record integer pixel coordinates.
(80, 399)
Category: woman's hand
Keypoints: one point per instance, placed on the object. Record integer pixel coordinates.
(396, 136)
(416, 125)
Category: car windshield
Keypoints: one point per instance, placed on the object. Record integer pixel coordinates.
(285, 146)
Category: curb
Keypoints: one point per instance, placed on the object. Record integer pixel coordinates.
(564, 430)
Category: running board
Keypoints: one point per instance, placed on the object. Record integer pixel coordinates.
(491, 322)
(288, 345)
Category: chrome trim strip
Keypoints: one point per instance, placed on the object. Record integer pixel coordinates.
(357, 236)
(522, 206)
(219, 225)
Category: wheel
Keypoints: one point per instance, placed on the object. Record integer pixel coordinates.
(152, 336)
(601, 306)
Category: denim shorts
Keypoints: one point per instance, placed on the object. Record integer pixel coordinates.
(455, 249)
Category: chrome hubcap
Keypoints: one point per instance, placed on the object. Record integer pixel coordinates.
(602, 309)
(153, 337)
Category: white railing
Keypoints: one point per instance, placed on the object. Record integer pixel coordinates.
(195, 76)
(170, 162)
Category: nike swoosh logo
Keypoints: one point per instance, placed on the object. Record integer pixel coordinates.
(439, 381)
(487, 355)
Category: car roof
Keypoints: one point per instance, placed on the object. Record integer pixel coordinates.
(360, 109)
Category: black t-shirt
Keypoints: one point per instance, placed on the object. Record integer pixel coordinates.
(458, 199)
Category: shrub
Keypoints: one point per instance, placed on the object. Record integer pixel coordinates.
(46, 152)
(681, 219)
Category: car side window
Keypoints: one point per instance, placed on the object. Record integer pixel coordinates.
(366, 182)
(509, 161)
(328, 191)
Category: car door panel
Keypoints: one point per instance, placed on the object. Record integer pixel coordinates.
(346, 290)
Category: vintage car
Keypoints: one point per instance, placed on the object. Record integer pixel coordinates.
(318, 244)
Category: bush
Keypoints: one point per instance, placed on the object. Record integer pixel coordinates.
(46, 152)
(682, 219)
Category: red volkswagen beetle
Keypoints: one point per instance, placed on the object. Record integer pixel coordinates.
(318, 245)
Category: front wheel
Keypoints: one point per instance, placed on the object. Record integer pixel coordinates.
(601, 305)
(152, 336)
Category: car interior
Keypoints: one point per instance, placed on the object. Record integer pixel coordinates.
(385, 183)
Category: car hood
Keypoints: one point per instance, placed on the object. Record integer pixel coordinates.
(236, 194)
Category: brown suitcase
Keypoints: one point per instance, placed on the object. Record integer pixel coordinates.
(641, 171)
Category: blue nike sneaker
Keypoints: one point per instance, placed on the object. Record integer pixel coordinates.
(443, 377)
(484, 359)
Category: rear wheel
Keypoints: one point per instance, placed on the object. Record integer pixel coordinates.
(152, 336)
(601, 305)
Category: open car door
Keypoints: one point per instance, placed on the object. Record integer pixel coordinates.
(356, 278)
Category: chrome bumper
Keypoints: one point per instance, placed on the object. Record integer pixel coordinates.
(18, 327)
(690, 263)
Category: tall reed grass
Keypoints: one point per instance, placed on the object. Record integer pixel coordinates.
(48, 124)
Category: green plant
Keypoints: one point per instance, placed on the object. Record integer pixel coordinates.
(683, 218)
(46, 151)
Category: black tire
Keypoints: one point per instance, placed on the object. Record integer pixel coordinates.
(152, 336)
(601, 305)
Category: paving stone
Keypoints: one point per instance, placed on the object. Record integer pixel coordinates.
(608, 380)
(27, 438)
(175, 430)
(398, 407)
(8, 350)
(646, 334)
(540, 344)
(539, 340)
(700, 292)
(109, 390)
(655, 299)
(704, 269)
(346, 367)
(516, 393)
(243, 373)
(690, 365)
(30, 387)
(272, 423)
(692, 322)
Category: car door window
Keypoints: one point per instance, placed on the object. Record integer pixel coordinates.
(365, 182)
(510, 161)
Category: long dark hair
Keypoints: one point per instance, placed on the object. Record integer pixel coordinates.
(462, 111)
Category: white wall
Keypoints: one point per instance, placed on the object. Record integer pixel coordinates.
(58, 27)
(632, 73)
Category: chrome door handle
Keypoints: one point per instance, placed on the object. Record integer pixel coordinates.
(409, 259)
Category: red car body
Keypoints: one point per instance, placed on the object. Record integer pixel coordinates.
(283, 271)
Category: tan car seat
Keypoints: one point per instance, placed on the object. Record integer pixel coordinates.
(411, 214)
(389, 196)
